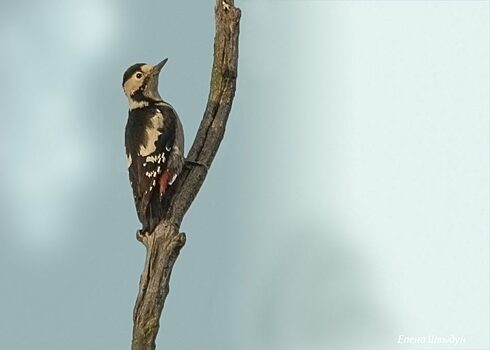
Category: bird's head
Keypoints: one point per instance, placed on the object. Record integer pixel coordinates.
(140, 83)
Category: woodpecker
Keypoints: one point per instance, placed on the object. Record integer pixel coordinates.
(154, 141)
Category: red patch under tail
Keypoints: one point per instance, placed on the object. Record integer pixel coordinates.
(164, 181)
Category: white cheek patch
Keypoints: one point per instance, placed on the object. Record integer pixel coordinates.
(132, 85)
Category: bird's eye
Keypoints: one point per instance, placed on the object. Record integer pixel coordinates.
(138, 75)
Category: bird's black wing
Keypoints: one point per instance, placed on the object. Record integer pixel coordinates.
(149, 136)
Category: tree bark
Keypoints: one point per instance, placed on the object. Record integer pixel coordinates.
(164, 244)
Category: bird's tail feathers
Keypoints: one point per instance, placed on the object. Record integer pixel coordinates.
(154, 213)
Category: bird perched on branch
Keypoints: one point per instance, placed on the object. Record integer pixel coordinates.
(154, 142)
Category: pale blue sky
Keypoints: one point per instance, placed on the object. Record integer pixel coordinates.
(348, 204)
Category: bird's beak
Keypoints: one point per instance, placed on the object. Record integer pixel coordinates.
(151, 86)
(158, 67)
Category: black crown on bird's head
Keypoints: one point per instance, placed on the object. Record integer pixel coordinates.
(131, 70)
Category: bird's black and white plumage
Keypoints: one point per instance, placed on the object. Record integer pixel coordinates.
(154, 142)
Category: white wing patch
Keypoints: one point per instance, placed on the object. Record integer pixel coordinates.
(130, 160)
(156, 160)
(152, 135)
(151, 173)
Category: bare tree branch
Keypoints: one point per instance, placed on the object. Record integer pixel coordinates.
(164, 244)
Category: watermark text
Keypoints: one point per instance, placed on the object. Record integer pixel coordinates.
(452, 340)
